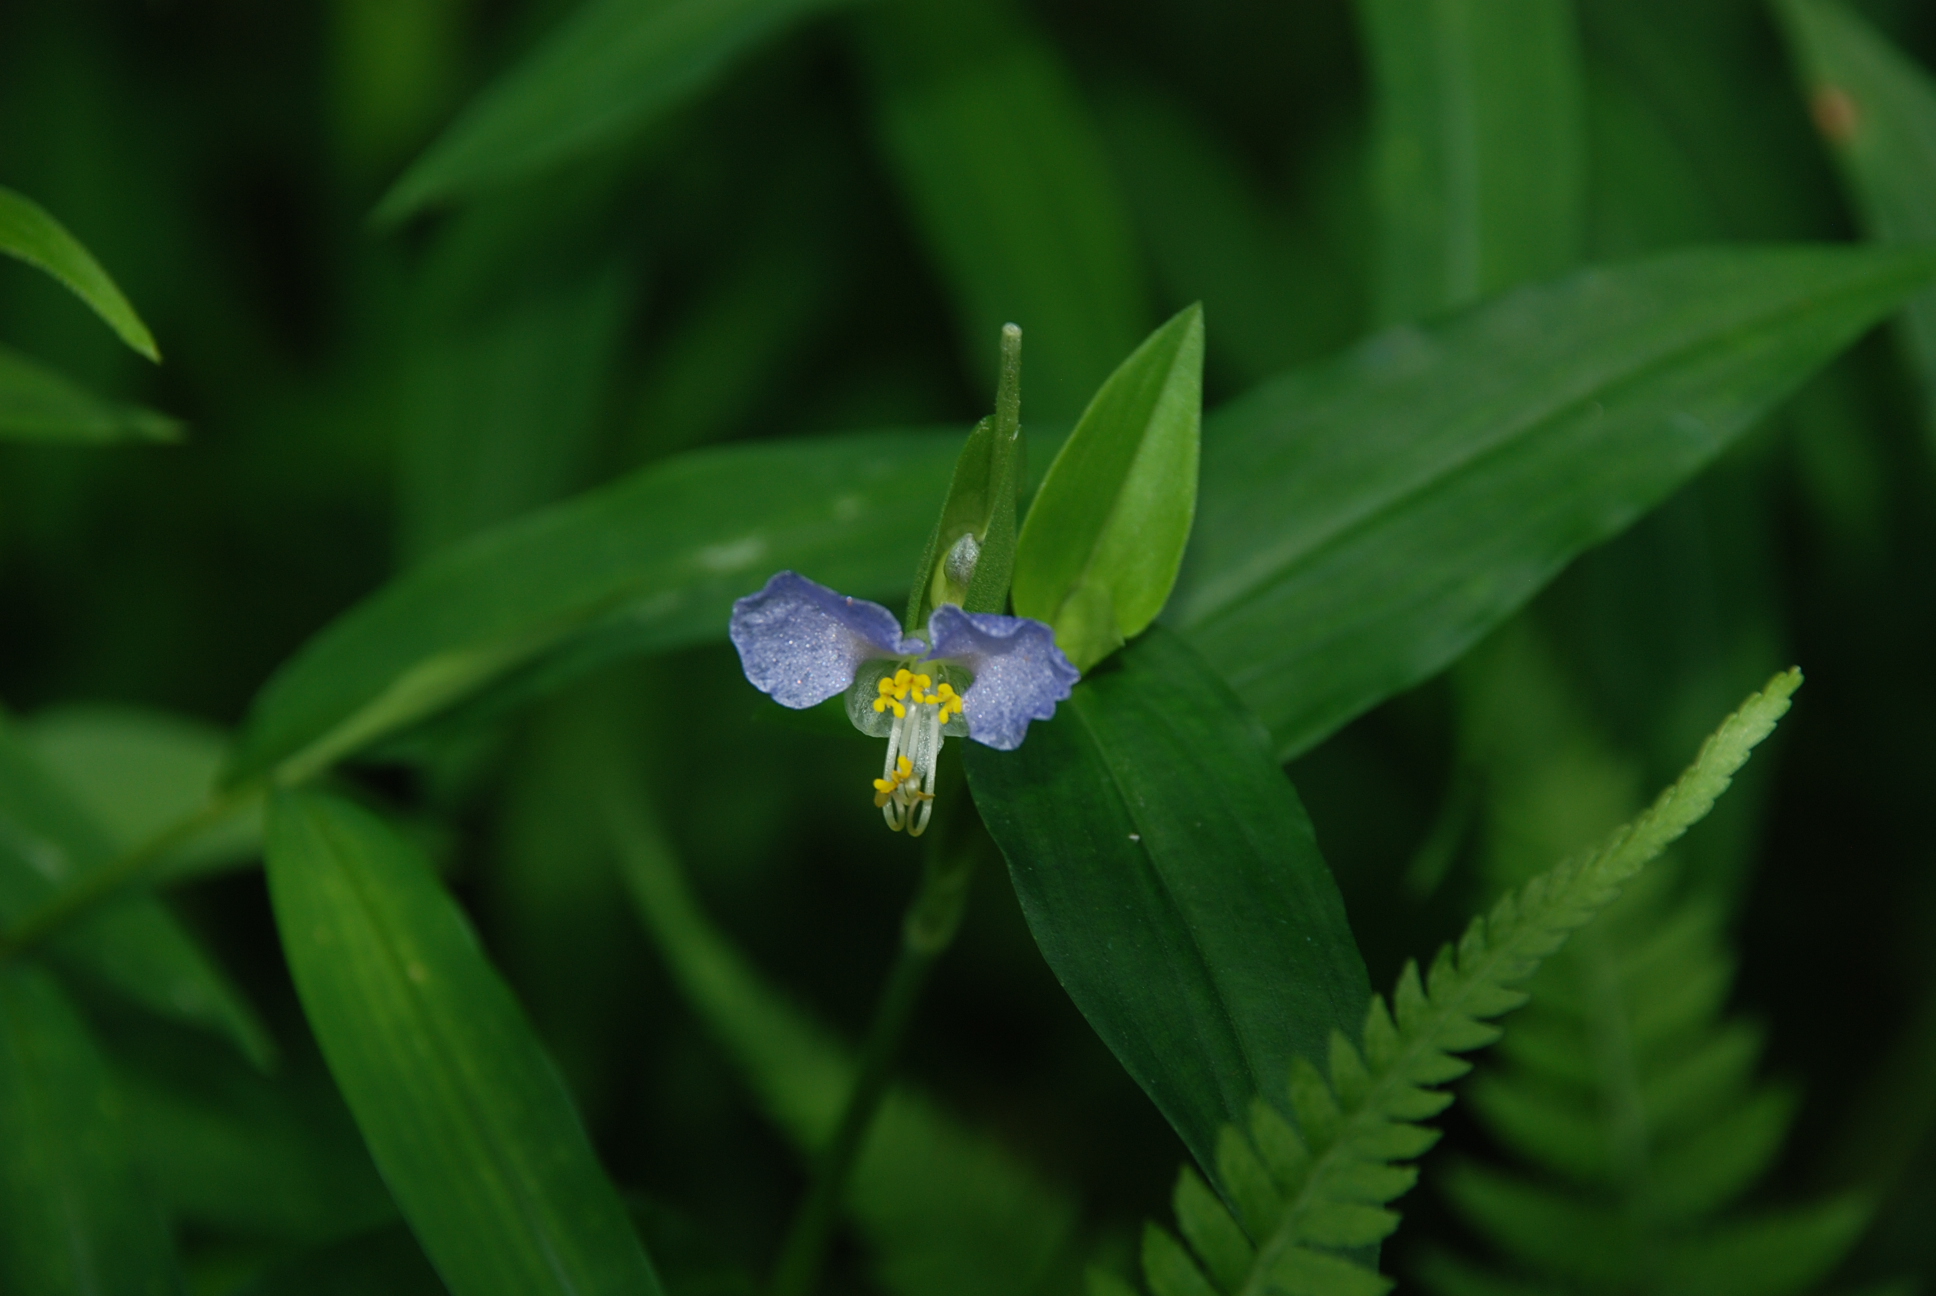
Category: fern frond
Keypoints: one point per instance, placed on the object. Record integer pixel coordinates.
(1302, 1197)
(1633, 1105)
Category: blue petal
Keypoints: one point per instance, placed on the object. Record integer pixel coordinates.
(1019, 672)
(801, 642)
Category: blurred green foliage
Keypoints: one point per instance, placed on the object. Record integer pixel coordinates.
(420, 268)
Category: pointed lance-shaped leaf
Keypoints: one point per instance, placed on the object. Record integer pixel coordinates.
(1368, 519)
(28, 232)
(39, 404)
(1104, 538)
(604, 73)
(466, 1117)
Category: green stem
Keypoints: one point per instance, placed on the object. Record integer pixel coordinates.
(91, 889)
(927, 931)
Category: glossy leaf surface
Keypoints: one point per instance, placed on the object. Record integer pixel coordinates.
(38, 404)
(1876, 109)
(29, 232)
(1099, 551)
(1010, 189)
(1172, 881)
(464, 1114)
(1367, 520)
(653, 562)
(74, 1219)
(48, 840)
(603, 73)
(1480, 152)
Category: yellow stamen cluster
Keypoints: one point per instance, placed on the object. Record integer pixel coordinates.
(904, 686)
(884, 787)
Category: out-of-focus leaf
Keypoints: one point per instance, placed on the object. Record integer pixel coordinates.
(500, 411)
(652, 562)
(602, 74)
(394, 67)
(1702, 71)
(464, 1114)
(1099, 552)
(37, 404)
(1367, 520)
(1010, 188)
(1279, 285)
(138, 772)
(28, 232)
(227, 1149)
(757, 316)
(134, 945)
(384, 1262)
(1877, 110)
(74, 1220)
(1480, 147)
(946, 1211)
(1172, 880)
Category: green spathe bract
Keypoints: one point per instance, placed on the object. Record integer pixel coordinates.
(971, 552)
(1101, 546)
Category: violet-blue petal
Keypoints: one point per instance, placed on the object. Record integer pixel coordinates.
(801, 642)
(1019, 672)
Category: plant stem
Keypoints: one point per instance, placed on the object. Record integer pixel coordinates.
(92, 888)
(928, 930)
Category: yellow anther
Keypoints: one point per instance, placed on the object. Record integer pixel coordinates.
(884, 787)
(948, 700)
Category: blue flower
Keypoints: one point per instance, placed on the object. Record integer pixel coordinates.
(801, 643)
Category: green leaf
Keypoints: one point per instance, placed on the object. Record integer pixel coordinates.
(1010, 188)
(945, 1209)
(28, 232)
(227, 1149)
(464, 1114)
(604, 73)
(1366, 521)
(48, 841)
(1480, 152)
(384, 1262)
(1876, 108)
(1100, 549)
(650, 563)
(38, 404)
(1172, 881)
(74, 1220)
(138, 772)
